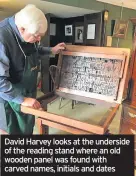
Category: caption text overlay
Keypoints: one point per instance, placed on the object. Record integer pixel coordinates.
(67, 155)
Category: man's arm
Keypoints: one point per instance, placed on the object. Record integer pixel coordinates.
(51, 50)
(7, 91)
(44, 50)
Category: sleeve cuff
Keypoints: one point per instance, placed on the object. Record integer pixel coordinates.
(50, 51)
(18, 99)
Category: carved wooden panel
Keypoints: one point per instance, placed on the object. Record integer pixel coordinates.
(93, 74)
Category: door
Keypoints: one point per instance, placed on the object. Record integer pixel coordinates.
(93, 29)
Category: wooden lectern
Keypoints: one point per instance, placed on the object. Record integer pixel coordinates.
(87, 74)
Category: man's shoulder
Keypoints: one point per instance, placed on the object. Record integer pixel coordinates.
(4, 29)
(4, 23)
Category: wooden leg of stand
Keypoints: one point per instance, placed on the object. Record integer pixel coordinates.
(60, 102)
(46, 129)
(73, 102)
(40, 126)
(107, 132)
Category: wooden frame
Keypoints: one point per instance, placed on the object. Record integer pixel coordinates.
(75, 126)
(68, 30)
(120, 29)
(67, 124)
(97, 20)
(79, 33)
(100, 52)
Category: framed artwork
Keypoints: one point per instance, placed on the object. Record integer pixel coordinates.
(52, 29)
(79, 33)
(93, 29)
(68, 30)
(120, 29)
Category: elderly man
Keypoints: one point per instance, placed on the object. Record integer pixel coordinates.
(19, 50)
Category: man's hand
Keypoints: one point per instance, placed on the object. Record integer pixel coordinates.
(31, 102)
(2, 132)
(58, 48)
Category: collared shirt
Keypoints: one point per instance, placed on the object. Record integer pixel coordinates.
(9, 62)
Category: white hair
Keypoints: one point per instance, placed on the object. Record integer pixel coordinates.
(32, 19)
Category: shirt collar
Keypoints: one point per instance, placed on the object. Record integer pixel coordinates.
(14, 27)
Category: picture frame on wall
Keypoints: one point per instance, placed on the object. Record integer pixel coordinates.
(68, 30)
(120, 29)
(91, 30)
(52, 29)
(79, 33)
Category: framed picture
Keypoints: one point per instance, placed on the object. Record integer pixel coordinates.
(91, 31)
(79, 33)
(120, 29)
(68, 30)
(52, 29)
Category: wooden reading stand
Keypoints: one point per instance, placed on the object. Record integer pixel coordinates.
(120, 56)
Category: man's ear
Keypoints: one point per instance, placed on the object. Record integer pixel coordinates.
(21, 30)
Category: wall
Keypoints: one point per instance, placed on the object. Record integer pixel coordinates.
(4, 15)
(114, 13)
